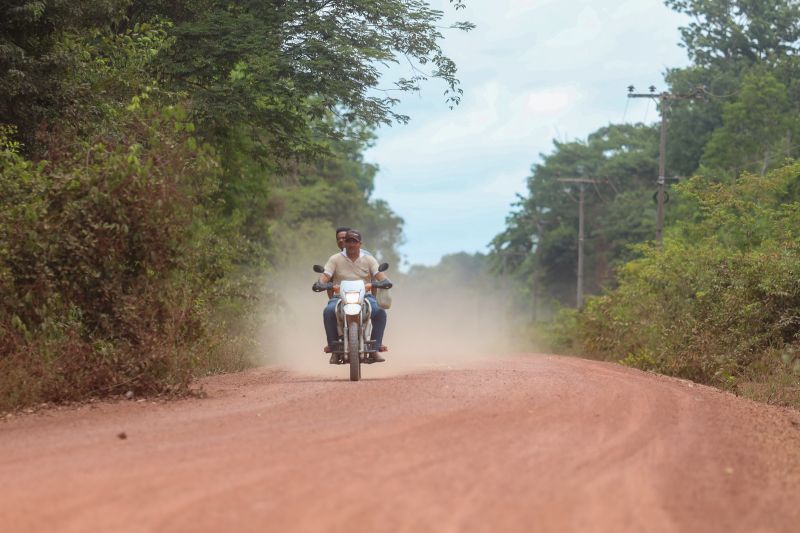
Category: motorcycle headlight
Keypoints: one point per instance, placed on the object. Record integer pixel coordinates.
(351, 297)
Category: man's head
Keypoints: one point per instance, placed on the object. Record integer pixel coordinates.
(340, 235)
(352, 240)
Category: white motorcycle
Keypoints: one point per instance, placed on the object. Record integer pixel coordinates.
(353, 312)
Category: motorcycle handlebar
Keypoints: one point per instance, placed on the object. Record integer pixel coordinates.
(320, 287)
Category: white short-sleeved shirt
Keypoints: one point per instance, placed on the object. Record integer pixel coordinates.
(340, 268)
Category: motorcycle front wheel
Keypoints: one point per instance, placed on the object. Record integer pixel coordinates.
(352, 352)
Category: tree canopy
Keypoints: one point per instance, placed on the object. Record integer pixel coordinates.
(540, 242)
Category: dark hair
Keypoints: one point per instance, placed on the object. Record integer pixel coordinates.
(340, 229)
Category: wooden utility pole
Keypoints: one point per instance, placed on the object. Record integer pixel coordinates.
(662, 172)
(664, 99)
(581, 183)
(580, 248)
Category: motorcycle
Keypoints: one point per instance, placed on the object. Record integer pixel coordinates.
(353, 312)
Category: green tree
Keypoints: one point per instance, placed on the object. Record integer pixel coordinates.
(539, 244)
(34, 66)
(726, 40)
(757, 127)
(280, 67)
(727, 31)
(337, 190)
(691, 122)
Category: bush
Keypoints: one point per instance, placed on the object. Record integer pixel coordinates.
(720, 298)
(110, 262)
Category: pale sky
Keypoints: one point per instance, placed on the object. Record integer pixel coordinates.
(532, 71)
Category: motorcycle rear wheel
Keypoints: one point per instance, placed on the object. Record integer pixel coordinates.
(352, 352)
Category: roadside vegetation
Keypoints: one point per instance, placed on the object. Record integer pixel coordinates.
(719, 302)
(159, 160)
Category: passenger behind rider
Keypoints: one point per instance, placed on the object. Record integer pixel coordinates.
(341, 233)
(352, 264)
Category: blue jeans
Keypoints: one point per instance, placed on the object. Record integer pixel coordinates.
(378, 320)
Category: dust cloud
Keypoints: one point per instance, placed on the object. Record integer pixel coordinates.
(431, 325)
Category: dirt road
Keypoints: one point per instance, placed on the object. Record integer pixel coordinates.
(533, 443)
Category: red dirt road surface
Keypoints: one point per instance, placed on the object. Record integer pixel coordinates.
(532, 443)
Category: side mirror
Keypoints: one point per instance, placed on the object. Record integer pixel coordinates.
(383, 267)
(319, 269)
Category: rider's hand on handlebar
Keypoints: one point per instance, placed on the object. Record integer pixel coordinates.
(382, 284)
(319, 286)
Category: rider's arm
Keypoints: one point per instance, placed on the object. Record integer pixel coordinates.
(380, 276)
(324, 278)
(328, 270)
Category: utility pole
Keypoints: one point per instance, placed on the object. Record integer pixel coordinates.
(581, 183)
(664, 98)
(580, 248)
